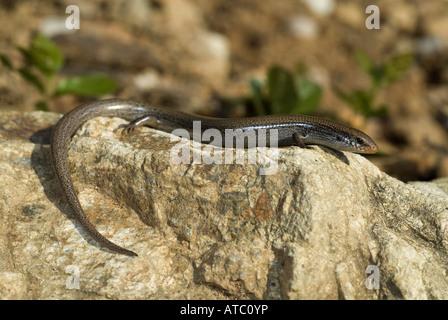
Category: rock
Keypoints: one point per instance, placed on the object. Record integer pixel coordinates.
(303, 27)
(432, 57)
(401, 15)
(12, 285)
(321, 7)
(208, 54)
(113, 52)
(308, 231)
(137, 13)
(437, 27)
(351, 14)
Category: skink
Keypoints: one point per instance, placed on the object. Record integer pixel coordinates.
(299, 130)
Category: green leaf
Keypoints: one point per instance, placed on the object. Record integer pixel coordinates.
(6, 62)
(364, 62)
(381, 111)
(397, 66)
(375, 72)
(92, 85)
(29, 76)
(386, 73)
(359, 100)
(282, 92)
(257, 98)
(309, 93)
(301, 68)
(41, 105)
(44, 54)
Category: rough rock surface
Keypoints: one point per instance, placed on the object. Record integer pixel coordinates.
(309, 231)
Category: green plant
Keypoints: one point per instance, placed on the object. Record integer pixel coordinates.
(44, 60)
(380, 75)
(286, 93)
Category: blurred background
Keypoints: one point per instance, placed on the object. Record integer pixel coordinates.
(384, 72)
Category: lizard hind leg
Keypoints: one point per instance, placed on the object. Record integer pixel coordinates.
(149, 121)
(298, 141)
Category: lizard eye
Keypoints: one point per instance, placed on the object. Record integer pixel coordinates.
(359, 141)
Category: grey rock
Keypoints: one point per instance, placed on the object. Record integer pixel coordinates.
(309, 231)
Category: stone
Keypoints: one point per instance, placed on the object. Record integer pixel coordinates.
(303, 27)
(321, 227)
(321, 7)
(402, 15)
(351, 14)
(437, 27)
